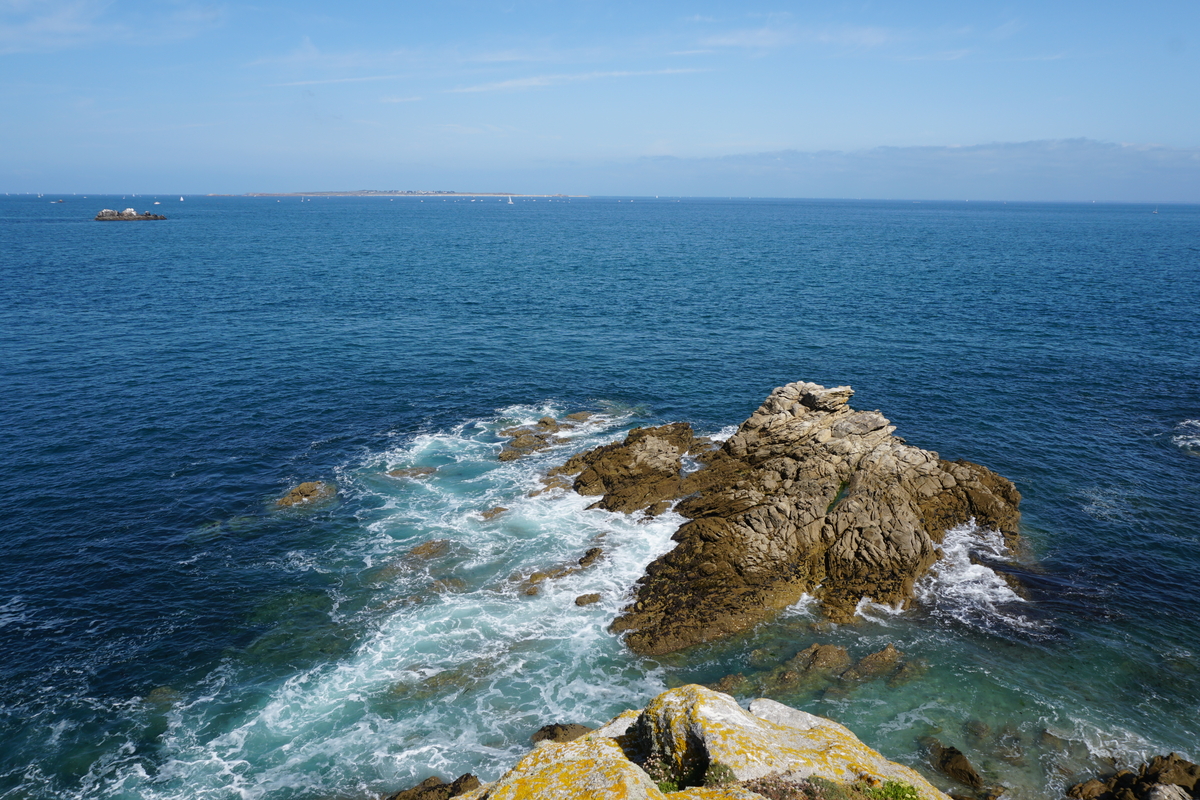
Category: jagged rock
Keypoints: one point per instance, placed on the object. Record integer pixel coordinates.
(1173, 770)
(492, 513)
(1163, 777)
(691, 733)
(808, 496)
(523, 443)
(587, 599)
(560, 732)
(412, 472)
(308, 492)
(641, 473)
(434, 789)
(530, 584)
(1165, 791)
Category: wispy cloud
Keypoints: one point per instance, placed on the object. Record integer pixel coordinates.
(538, 81)
(772, 36)
(52, 25)
(361, 79)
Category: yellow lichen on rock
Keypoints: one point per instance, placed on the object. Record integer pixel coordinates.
(692, 727)
(585, 768)
(688, 731)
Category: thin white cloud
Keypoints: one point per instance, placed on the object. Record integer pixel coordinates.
(770, 37)
(52, 25)
(362, 79)
(538, 81)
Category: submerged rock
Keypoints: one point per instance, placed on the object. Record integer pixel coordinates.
(951, 762)
(695, 743)
(308, 492)
(412, 472)
(808, 496)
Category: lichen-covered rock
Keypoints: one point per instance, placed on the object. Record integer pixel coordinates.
(306, 493)
(808, 496)
(691, 728)
(690, 734)
(592, 767)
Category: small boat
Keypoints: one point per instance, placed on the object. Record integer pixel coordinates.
(1155, 211)
(157, 203)
(181, 199)
(510, 202)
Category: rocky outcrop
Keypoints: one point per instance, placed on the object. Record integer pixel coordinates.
(307, 493)
(643, 473)
(541, 435)
(1162, 778)
(808, 496)
(695, 743)
(111, 215)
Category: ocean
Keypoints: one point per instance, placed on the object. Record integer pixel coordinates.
(167, 631)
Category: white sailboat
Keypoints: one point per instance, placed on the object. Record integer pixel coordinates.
(510, 202)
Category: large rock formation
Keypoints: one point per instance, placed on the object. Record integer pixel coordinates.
(695, 743)
(808, 496)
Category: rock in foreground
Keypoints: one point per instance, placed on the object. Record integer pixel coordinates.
(692, 736)
(809, 496)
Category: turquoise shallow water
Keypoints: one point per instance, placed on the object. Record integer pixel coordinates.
(168, 633)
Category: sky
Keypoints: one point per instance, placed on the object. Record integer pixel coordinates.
(1043, 101)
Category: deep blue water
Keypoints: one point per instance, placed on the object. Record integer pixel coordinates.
(163, 382)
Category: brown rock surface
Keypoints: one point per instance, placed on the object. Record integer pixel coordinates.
(560, 732)
(1161, 777)
(808, 496)
(308, 492)
(434, 789)
(641, 473)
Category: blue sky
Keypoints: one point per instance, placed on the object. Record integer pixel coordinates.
(1020, 101)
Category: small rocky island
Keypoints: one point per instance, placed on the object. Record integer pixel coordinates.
(110, 215)
(809, 496)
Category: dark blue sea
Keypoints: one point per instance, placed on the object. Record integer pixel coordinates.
(167, 631)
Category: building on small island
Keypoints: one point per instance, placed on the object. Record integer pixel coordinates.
(108, 214)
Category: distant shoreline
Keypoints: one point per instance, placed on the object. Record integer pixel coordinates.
(375, 193)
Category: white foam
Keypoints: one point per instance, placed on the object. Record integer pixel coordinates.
(957, 588)
(457, 679)
(1186, 435)
(879, 613)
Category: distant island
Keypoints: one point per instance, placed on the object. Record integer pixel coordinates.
(111, 215)
(394, 193)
